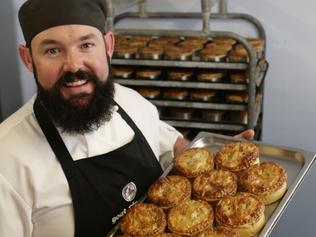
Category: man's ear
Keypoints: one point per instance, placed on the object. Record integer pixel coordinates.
(26, 57)
(109, 43)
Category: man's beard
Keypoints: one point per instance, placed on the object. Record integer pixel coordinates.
(72, 115)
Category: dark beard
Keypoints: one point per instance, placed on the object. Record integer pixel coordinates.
(72, 115)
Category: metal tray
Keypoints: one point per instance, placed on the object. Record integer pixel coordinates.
(296, 162)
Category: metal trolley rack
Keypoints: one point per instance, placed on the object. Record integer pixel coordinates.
(116, 13)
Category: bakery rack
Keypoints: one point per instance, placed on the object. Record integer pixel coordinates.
(119, 10)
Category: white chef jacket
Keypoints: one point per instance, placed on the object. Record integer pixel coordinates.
(35, 199)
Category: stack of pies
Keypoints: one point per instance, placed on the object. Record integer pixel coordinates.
(143, 219)
(220, 40)
(178, 53)
(196, 39)
(190, 217)
(122, 72)
(144, 38)
(164, 41)
(170, 39)
(203, 95)
(237, 157)
(175, 94)
(240, 54)
(150, 52)
(194, 162)
(239, 76)
(149, 92)
(243, 213)
(237, 97)
(169, 191)
(179, 74)
(192, 44)
(119, 39)
(213, 54)
(125, 51)
(267, 180)
(210, 75)
(148, 73)
(220, 46)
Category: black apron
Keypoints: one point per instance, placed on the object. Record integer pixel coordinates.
(104, 186)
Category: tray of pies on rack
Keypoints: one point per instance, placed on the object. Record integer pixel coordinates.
(185, 48)
(219, 186)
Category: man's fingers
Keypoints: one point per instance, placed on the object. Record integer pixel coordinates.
(248, 134)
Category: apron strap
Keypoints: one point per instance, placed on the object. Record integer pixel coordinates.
(55, 141)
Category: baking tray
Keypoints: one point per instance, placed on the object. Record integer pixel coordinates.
(296, 162)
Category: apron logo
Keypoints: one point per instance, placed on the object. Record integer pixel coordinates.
(129, 192)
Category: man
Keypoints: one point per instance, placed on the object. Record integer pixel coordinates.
(83, 149)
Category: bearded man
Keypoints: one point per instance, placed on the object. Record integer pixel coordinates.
(83, 149)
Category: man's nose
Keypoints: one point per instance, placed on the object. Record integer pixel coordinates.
(73, 62)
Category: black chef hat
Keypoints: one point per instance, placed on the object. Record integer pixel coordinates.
(36, 16)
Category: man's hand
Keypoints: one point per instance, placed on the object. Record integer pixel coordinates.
(247, 134)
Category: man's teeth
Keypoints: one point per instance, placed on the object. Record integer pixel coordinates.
(76, 83)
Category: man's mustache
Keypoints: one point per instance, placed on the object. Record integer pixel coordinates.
(72, 76)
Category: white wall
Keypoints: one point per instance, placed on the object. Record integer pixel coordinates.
(289, 114)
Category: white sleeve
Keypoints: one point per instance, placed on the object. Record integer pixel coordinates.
(168, 136)
(15, 214)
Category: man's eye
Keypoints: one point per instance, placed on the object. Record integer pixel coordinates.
(52, 51)
(87, 45)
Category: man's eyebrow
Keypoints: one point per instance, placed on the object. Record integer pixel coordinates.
(52, 41)
(48, 41)
(86, 37)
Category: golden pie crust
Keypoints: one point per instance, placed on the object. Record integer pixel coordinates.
(219, 46)
(237, 96)
(210, 75)
(125, 51)
(190, 217)
(225, 40)
(237, 156)
(167, 235)
(150, 73)
(204, 95)
(243, 212)
(122, 72)
(266, 180)
(193, 162)
(141, 37)
(214, 185)
(239, 76)
(143, 219)
(149, 92)
(176, 94)
(179, 74)
(180, 53)
(218, 231)
(210, 54)
(151, 52)
(169, 191)
(196, 39)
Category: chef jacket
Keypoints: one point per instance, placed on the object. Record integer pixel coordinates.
(35, 197)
